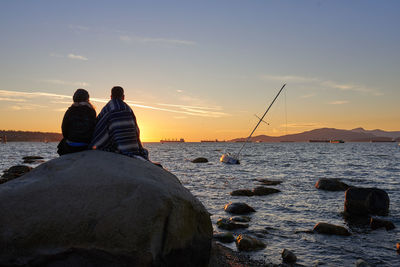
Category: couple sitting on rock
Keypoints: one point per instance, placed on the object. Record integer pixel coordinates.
(115, 129)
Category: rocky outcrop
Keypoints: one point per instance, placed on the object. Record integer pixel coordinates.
(225, 237)
(14, 172)
(200, 160)
(330, 229)
(97, 208)
(364, 201)
(376, 223)
(331, 184)
(239, 208)
(248, 243)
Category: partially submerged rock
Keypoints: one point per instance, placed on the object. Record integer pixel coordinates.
(229, 224)
(224, 237)
(288, 256)
(14, 172)
(200, 160)
(363, 201)
(331, 184)
(239, 208)
(376, 223)
(262, 191)
(240, 218)
(269, 182)
(248, 243)
(242, 192)
(98, 205)
(330, 229)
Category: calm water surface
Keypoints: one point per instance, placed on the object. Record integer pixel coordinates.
(300, 205)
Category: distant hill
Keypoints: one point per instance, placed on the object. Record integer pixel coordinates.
(24, 136)
(355, 135)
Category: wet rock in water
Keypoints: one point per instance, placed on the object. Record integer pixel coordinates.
(269, 182)
(363, 201)
(240, 218)
(331, 184)
(288, 256)
(225, 237)
(242, 192)
(228, 224)
(115, 210)
(200, 160)
(239, 208)
(398, 247)
(362, 263)
(32, 157)
(14, 172)
(248, 243)
(262, 191)
(376, 223)
(330, 229)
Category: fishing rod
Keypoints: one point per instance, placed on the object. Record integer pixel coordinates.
(261, 119)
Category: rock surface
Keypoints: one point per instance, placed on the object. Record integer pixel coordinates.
(363, 201)
(269, 182)
(239, 208)
(242, 192)
(330, 229)
(331, 184)
(262, 191)
(99, 209)
(248, 243)
(225, 237)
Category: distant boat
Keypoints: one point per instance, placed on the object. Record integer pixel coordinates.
(211, 141)
(318, 141)
(336, 141)
(172, 140)
(383, 141)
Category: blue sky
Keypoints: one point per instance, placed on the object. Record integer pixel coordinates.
(202, 69)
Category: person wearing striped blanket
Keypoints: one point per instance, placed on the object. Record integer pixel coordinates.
(116, 128)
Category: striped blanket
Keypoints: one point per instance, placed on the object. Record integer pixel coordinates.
(117, 130)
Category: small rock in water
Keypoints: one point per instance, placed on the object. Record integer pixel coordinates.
(331, 184)
(240, 218)
(238, 208)
(269, 182)
(398, 247)
(288, 256)
(200, 160)
(330, 229)
(363, 201)
(262, 191)
(362, 263)
(376, 223)
(228, 224)
(242, 192)
(225, 237)
(248, 243)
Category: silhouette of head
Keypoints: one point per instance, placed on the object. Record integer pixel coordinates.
(81, 95)
(117, 92)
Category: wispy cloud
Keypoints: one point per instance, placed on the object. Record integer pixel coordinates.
(11, 99)
(27, 107)
(78, 28)
(179, 91)
(78, 57)
(141, 39)
(339, 102)
(323, 83)
(61, 82)
(200, 111)
(307, 96)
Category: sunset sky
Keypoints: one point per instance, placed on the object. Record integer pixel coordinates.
(203, 69)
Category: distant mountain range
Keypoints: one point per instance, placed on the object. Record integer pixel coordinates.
(326, 134)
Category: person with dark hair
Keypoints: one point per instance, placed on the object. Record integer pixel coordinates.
(78, 124)
(117, 129)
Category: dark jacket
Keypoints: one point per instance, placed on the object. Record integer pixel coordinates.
(77, 128)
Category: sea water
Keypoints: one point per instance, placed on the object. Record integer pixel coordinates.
(281, 220)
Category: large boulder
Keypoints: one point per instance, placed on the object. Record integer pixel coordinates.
(248, 243)
(331, 184)
(97, 208)
(239, 208)
(363, 201)
(330, 229)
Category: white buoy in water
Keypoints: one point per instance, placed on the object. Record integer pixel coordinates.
(228, 159)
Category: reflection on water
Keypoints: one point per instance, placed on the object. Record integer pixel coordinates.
(285, 216)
